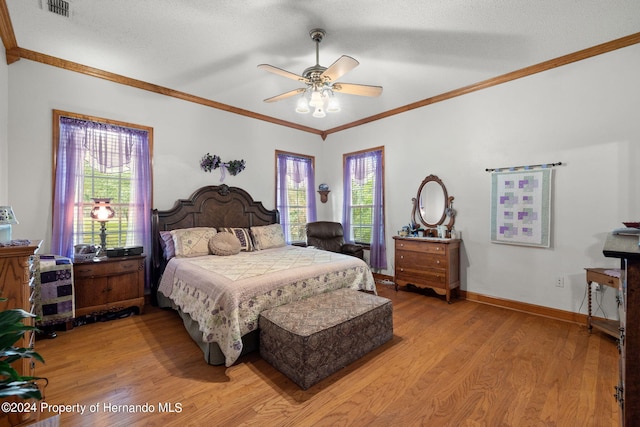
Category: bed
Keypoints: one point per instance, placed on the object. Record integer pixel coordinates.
(219, 298)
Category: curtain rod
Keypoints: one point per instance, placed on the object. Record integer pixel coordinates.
(512, 168)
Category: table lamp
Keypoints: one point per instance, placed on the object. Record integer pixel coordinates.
(7, 219)
(102, 213)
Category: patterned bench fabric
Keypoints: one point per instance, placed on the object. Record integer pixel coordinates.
(311, 339)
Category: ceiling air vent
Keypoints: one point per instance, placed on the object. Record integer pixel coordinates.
(59, 7)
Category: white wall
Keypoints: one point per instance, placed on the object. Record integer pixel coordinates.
(183, 133)
(4, 120)
(584, 115)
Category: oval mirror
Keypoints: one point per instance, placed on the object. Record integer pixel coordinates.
(432, 199)
(433, 204)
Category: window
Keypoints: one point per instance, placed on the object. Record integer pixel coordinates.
(363, 210)
(295, 194)
(97, 158)
(100, 181)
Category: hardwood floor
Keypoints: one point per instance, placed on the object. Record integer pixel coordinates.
(464, 364)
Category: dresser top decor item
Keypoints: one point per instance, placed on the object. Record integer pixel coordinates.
(15, 242)
(7, 219)
(210, 162)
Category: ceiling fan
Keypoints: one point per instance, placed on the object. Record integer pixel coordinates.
(321, 82)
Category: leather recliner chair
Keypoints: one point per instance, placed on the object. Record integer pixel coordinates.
(330, 237)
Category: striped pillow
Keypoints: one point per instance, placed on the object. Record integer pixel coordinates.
(244, 235)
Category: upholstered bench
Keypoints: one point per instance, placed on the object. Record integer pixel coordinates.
(311, 339)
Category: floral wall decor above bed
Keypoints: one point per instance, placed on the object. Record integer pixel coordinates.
(209, 163)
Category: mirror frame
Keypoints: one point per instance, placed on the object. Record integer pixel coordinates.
(446, 211)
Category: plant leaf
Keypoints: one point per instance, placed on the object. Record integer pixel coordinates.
(23, 389)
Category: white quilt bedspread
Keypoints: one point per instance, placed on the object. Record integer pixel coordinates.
(225, 294)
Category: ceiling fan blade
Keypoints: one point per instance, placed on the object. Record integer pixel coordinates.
(342, 66)
(354, 89)
(285, 95)
(281, 72)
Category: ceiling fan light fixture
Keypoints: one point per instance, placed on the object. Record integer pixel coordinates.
(302, 106)
(319, 113)
(316, 99)
(333, 106)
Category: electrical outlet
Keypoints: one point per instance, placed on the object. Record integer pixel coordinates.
(560, 282)
(597, 287)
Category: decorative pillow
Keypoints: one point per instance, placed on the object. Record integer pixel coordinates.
(191, 242)
(168, 248)
(244, 235)
(224, 244)
(268, 236)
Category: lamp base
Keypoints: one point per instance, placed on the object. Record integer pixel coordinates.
(103, 239)
(5, 233)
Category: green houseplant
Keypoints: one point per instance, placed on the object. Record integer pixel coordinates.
(12, 328)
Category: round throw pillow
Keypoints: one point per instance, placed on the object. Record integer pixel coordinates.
(224, 244)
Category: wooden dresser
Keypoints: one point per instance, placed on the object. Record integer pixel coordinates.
(627, 391)
(109, 284)
(16, 280)
(428, 263)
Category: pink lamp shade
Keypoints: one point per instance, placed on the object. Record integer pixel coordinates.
(101, 210)
(102, 213)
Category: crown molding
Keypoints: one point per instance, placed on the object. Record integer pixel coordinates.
(14, 53)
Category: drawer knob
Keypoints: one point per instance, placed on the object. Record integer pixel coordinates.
(437, 248)
(401, 256)
(438, 262)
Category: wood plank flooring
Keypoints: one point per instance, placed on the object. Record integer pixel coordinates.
(460, 364)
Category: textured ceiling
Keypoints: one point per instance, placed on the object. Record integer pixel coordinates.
(415, 49)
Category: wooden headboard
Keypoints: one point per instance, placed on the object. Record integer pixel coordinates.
(211, 206)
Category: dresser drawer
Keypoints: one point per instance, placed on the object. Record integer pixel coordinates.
(434, 278)
(99, 269)
(421, 246)
(417, 260)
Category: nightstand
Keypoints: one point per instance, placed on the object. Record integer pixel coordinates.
(109, 284)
